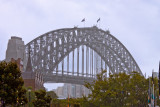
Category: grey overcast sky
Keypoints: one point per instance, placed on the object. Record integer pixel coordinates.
(136, 23)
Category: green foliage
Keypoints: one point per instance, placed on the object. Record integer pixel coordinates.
(119, 89)
(138, 90)
(41, 99)
(66, 102)
(52, 94)
(11, 88)
(59, 103)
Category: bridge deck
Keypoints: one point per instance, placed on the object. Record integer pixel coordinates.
(53, 78)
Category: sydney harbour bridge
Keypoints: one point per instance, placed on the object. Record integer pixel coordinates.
(75, 55)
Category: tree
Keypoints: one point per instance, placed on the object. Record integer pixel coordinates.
(41, 99)
(138, 90)
(52, 94)
(11, 88)
(119, 89)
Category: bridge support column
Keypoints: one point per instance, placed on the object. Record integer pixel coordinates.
(87, 61)
(106, 68)
(78, 61)
(73, 63)
(90, 74)
(82, 60)
(101, 64)
(96, 63)
(92, 62)
(68, 64)
(57, 70)
(62, 66)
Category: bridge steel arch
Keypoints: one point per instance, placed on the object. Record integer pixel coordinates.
(49, 49)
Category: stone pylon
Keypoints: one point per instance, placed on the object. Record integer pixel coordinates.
(15, 49)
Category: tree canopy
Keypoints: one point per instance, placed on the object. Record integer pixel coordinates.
(11, 88)
(52, 94)
(41, 99)
(118, 89)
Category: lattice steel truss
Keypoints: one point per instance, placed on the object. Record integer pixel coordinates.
(49, 49)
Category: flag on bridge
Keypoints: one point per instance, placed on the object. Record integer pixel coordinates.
(98, 20)
(83, 20)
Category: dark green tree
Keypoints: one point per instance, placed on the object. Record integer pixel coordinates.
(12, 91)
(41, 99)
(52, 94)
(138, 90)
(117, 90)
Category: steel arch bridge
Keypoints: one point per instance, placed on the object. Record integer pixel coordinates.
(49, 49)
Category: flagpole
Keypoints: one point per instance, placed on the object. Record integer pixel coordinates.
(68, 101)
(155, 101)
(98, 22)
(83, 20)
(153, 95)
(149, 94)
(153, 90)
(159, 80)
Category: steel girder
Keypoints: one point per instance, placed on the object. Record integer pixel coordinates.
(49, 49)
